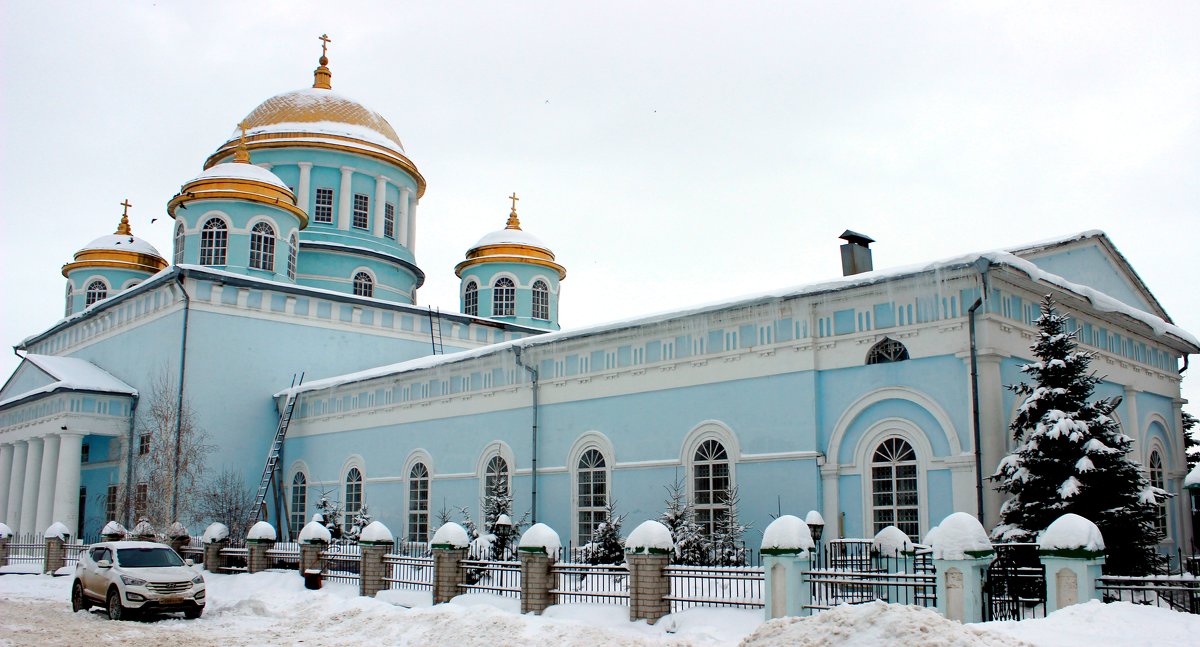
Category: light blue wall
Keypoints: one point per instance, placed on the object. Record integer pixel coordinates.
(239, 217)
(116, 279)
(486, 274)
(1091, 267)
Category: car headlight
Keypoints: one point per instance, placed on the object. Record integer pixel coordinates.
(199, 579)
(132, 581)
(199, 595)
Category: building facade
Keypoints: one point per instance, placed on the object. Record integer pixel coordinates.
(294, 253)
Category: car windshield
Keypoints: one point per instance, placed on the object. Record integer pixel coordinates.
(147, 557)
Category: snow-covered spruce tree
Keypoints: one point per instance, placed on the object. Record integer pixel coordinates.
(692, 546)
(607, 546)
(361, 520)
(1191, 440)
(728, 548)
(331, 514)
(1072, 457)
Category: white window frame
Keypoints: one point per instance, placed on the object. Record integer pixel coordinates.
(509, 302)
(297, 498)
(389, 220)
(894, 478)
(592, 511)
(363, 284)
(416, 518)
(180, 239)
(1157, 475)
(361, 210)
(262, 246)
(96, 291)
(541, 300)
(214, 242)
(323, 209)
(348, 488)
(471, 298)
(293, 252)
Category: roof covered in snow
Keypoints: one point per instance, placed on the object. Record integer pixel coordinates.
(121, 242)
(320, 111)
(510, 237)
(239, 171)
(71, 374)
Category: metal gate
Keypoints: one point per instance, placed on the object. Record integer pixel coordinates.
(1014, 584)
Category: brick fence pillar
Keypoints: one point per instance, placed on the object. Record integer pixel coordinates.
(447, 576)
(177, 544)
(256, 555)
(56, 555)
(372, 568)
(312, 562)
(3, 551)
(537, 580)
(213, 561)
(649, 586)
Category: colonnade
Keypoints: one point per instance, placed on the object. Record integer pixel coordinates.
(39, 481)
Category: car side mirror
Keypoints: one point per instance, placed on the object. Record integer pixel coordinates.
(104, 563)
(189, 562)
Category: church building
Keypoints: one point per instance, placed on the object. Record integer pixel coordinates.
(295, 253)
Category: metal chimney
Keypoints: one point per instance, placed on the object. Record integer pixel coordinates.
(856, 253)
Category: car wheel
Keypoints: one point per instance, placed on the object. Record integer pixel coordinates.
(192, 614)
(116, 611)
(79, 601)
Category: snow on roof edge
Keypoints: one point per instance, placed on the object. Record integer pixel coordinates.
(71, 373)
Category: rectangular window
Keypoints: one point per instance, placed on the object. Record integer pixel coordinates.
(324, 206)
(140, 496)
(110, 504)
(143, 444)
(389, 220)
(84, 452)
(362, 204)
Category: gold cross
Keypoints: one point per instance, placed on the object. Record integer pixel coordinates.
(514, 199)
(126, 205)
(242, 125)
(325, 40)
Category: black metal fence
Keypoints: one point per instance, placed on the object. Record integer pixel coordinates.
(27, 548)
(284, 556)
(1176, 587)
(485, 576)
(343, 560)
(1014, 584)
(581, 583)
(715, 586)
(849, 571)
(410, 566)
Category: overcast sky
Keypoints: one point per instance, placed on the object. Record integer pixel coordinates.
(669, 153)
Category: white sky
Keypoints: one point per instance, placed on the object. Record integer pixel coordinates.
(670, 153)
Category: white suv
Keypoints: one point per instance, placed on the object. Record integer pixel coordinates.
(128, 576)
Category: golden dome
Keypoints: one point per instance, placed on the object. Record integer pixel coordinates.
(510, 245)
(324, 108)
(120, 250)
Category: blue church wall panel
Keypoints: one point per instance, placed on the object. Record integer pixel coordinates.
(1090, 266)
(850, 502)
(938, 492)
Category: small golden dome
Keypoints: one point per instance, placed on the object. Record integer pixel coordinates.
(510, 245)
(120, 249)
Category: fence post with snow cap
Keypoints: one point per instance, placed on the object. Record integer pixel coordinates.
(215, 538)
(5, 536)
(961, 553)
(56, 552)
(647, 552)
(1072, 550)
(449, 547)
(177, 537)
(259, 539)
(314, 538)
(539, 548)
(786, 552)
(113, 531)
(373, 542)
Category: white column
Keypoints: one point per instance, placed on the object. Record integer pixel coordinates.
(16, 485)
(33, 474)
(380, 200)
(412, 223)
(305, 181)
(403, 232)
(6, 456)
(66, 492)
(48, 481)
(344, 195)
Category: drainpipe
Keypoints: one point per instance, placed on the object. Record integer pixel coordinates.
(975, 411)
(533, 374)
(187, 302)
(129, 464)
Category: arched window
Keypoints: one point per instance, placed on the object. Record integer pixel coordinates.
(214, 238)
(710, 484)
(504, 298)
(887, 350)
(353, 495)
(894, 487)
(418, 503)
(262, 247)
(70, 305)
(471, 299)
(96, 290)
(495, 482)
(592, 492)
(299, 503)
(179, 240)
(292, 251)
(541, 300)
(1157, 480)
(363, 285)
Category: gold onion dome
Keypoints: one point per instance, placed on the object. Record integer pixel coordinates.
(238, 180)
(510, 245)
(318, 117)
(120, 250)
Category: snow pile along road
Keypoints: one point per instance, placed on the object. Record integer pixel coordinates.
(871, 625)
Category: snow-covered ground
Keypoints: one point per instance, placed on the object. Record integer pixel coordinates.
(275, 609)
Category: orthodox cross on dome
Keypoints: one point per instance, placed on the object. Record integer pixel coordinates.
(241, 154)
(123, 228)
(322, 75)
(513, 221)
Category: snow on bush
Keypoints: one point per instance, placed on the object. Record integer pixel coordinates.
(215, 532)
(452, 535)
(650, 537)
(873, 624)
(314, 532)
(540, 538)
(1072, 532)
(376, 533)
(892, 541)
(261, 531)
(175, 531)
(787, 534)
(143, 529)
(957, 536)
(113, 529)
(58, 529)
(5, 531)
